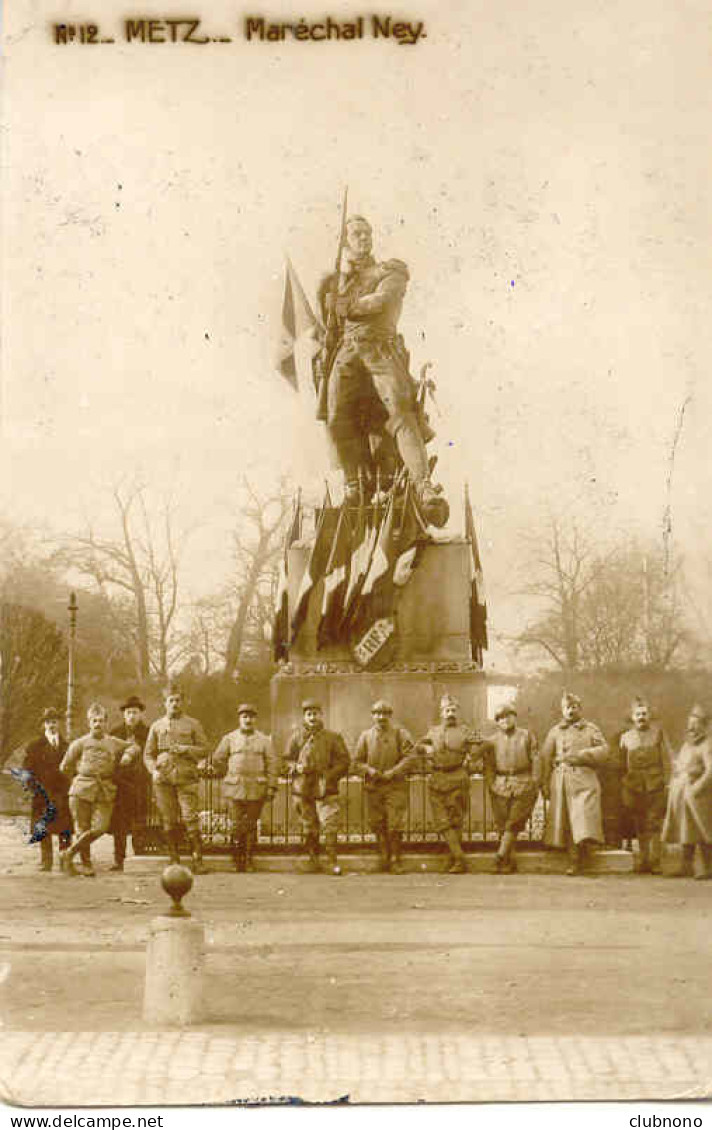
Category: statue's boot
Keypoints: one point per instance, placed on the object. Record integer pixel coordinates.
(412, 451)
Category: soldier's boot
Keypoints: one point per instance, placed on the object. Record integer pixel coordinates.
(706, 853)
(503, 859)
(119, 851)
(458, 863)
(384, 852)
(311, 866)
(332, 862)
(238, 853)
(655, 855)
(686, 866)
(575, 859)
(45, 863)
(196, 860)
(397, 867)
(250, 838)
(173, 838)
(641, 863)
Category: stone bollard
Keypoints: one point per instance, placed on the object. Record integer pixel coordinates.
(173, 994)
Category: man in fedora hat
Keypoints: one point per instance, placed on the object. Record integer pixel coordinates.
(384, 755)
(50, 815)
(249, 768)
(132, 780)
(175, 746)
(317, 759)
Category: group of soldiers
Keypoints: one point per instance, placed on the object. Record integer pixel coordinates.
(95, 784)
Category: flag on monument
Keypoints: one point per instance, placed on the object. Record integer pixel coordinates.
(336, 579)
(478, 604)
(316, 565)
(365, 542)
(376, 597)
(280, 630)
(411, 538)
(298, 323)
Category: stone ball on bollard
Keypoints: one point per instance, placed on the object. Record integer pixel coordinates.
(176, 881)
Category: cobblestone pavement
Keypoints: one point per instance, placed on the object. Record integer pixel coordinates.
(161, 1068)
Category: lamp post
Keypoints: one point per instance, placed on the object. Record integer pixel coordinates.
(72, 609)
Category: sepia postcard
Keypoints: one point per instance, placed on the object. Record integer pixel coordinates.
(355, 571)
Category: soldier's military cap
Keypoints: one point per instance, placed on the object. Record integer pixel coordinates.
(570, 699)
(637, 701)
(247, 708)
(700, 712)
(50, 714)
(381, 707)
(311, 704)
(504, 710)
(448, 700)
(133, 701)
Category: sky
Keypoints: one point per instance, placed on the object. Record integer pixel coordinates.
(542, 169)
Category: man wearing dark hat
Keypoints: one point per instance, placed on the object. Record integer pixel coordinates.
(249, 768)
(175, 746)
(511, 766)
(92, 762)
(132, 780)
(646, 761)
(449, 750)
(317, 759)
(384, 755)
(50, 815)
(573, 749)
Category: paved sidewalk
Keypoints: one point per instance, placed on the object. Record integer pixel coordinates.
(162, 1068)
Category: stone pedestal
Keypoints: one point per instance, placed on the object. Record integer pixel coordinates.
(173, 995)
(432, 654)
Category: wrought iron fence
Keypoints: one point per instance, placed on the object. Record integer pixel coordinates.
(280, 828)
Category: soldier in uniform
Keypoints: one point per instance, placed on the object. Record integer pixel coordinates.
(570, 754)
(688, 820)
(92, 761)
(131, 780)
(369, 395)
(175, 746)
(50, 815)
(384, 754)
(317, 759)
(646, 761)
(449, 749)
(511, 766)
(247, 762)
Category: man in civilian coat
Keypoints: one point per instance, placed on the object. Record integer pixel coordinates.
(50, 815)
(132, 781)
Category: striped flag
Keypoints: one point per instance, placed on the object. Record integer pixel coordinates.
(478, 603)
(335, 583)
(280, 633)
(298, 322)
(316, 565)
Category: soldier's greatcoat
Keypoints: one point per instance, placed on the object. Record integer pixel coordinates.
(43, 760)
(574, 789)
(688, 819)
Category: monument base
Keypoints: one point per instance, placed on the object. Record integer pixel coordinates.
(414, 692)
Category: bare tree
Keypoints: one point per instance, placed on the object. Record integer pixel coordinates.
(257, 546)
(138, 572)
(33, 662)
(602, 607)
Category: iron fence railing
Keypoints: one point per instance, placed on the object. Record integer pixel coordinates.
(280, 828)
